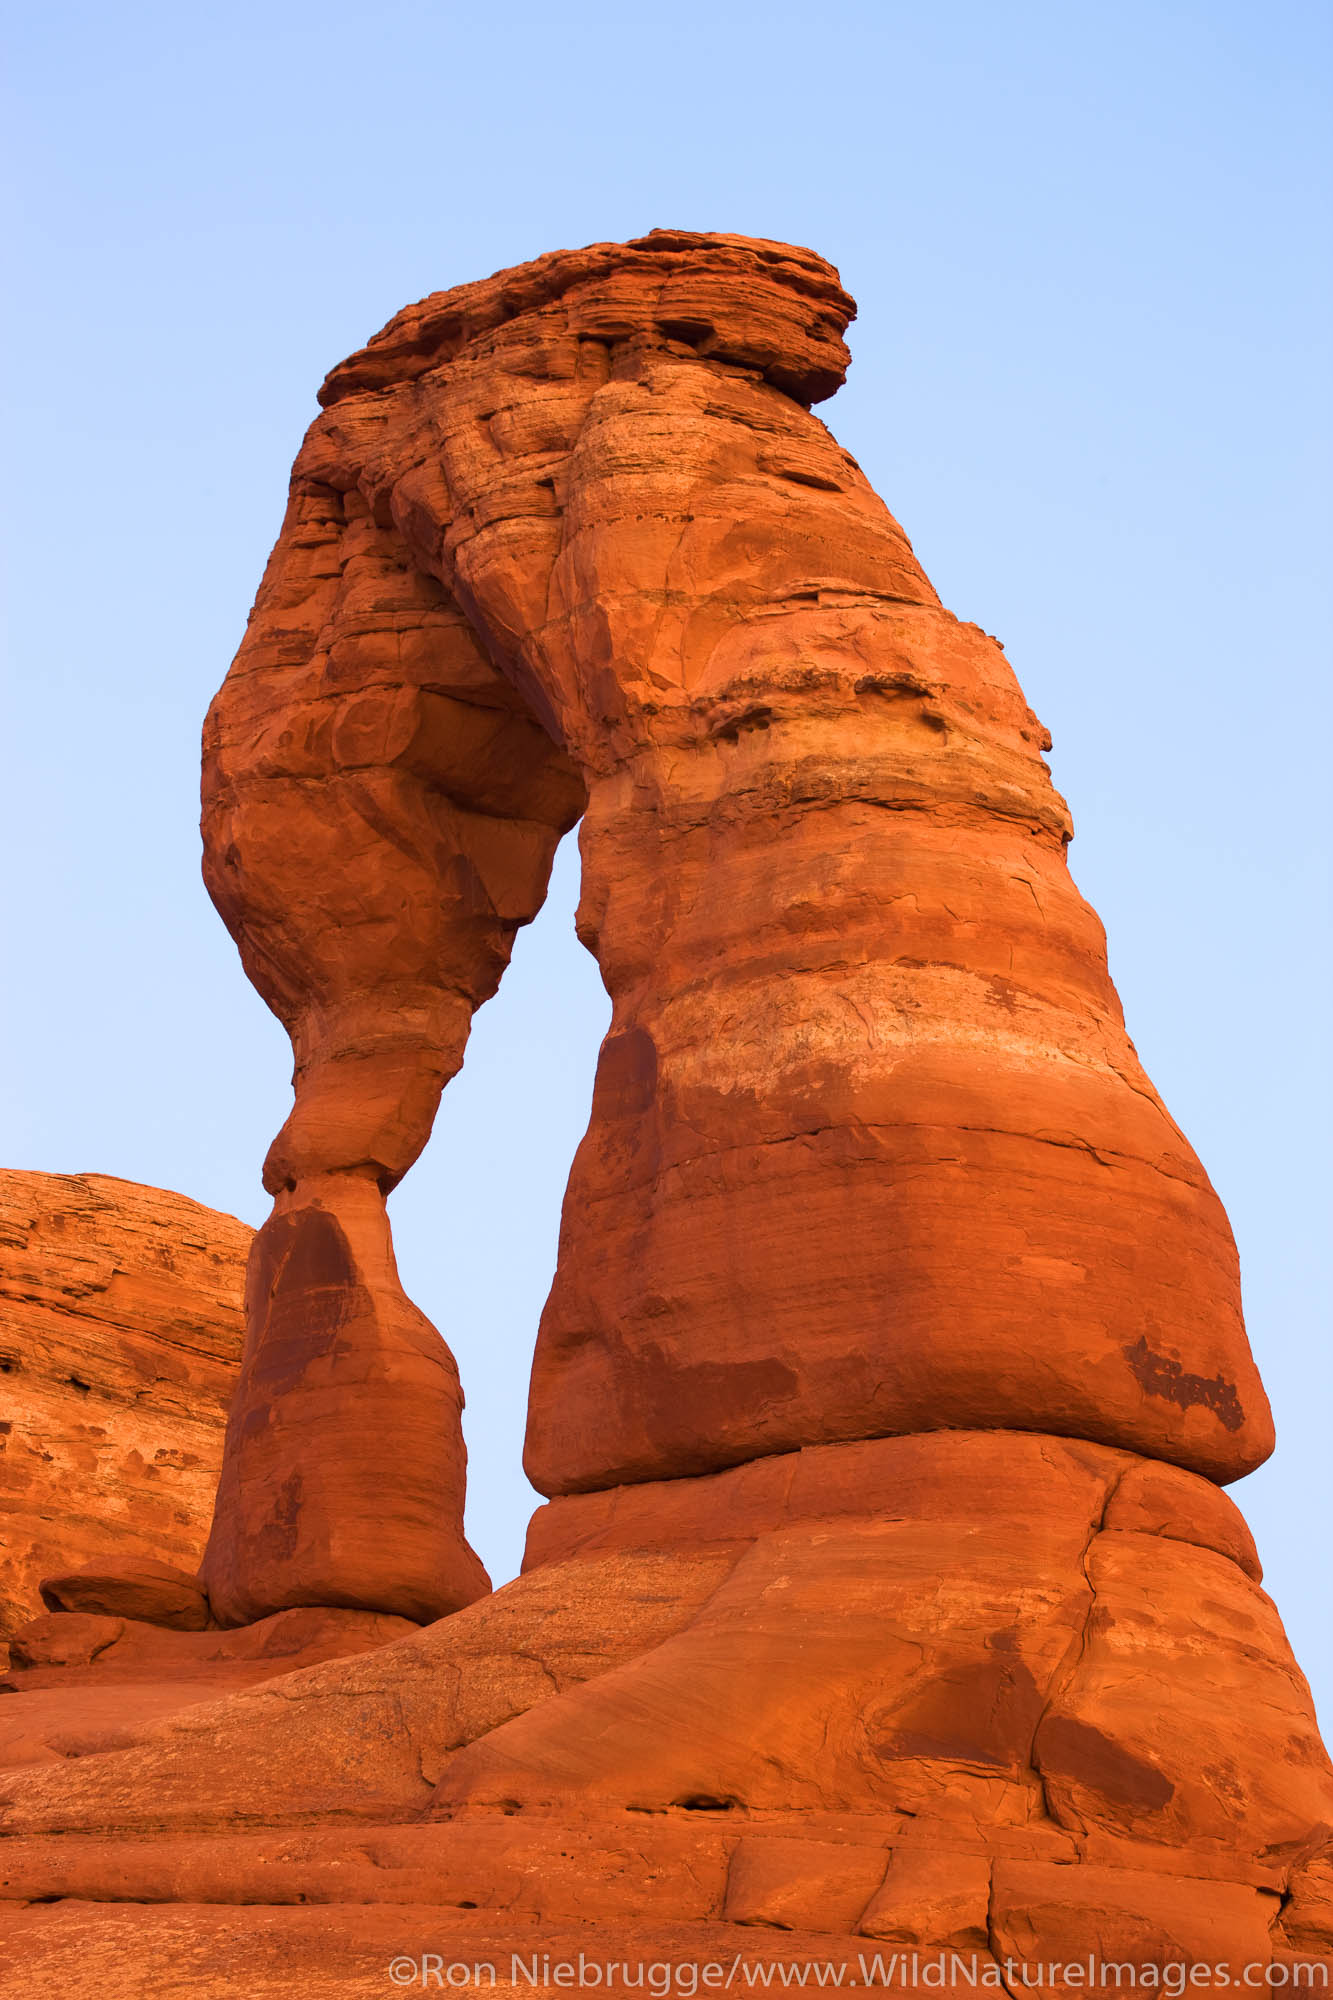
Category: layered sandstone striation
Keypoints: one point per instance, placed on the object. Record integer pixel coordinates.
(381, 814)
(894, 1362)
(867, 1113)
(959, 1691)
(121, 1323)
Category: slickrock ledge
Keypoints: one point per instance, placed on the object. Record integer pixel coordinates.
(945, 1692)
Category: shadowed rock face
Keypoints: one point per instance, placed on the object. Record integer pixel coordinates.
(894, 1358)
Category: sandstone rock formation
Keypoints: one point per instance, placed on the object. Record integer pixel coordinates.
(867, 1106)
(121, 1321)
(867, 1113)
(886, 1590)
(382, 816)
(988, 1692)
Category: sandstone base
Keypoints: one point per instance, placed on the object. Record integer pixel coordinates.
(995, 1693)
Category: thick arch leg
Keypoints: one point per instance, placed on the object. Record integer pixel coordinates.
(870, 1152)
(380, 816)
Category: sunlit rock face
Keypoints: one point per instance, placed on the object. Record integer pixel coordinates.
(894, 1361)
(870, 1150)
(121, 1322)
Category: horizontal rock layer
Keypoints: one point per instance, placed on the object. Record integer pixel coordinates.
(894, 1358)
(870, 1150)
(121, 1323)
(952, 1692)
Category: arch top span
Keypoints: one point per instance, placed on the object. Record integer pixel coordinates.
(674, 284)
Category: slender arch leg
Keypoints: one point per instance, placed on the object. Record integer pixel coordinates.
(380, 815)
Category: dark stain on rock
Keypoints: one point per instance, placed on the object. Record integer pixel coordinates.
(626, 1075)
(306, 1267)
(680, 1403)
(281, 1531)
(1159, 1375)
(1082, 1755)
(319, 1257)
(982, 1714)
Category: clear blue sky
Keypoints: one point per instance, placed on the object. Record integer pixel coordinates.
(1091, 376)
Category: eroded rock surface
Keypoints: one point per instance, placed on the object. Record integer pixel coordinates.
(867, 1113)
(121, 1323)
(915, 1691)
(886, 1591)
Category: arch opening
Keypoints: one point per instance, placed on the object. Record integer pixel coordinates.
(477, 1220)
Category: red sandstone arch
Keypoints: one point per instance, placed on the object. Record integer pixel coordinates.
(876, 1211)
(381, 812)
(870, 1150)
